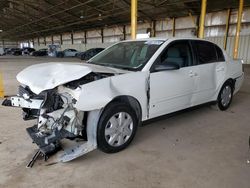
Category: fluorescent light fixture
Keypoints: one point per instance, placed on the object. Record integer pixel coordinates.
(143, 36)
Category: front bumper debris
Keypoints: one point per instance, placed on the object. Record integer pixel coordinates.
(49, 142)
(16, 101)
(46, 145)
(6, 102)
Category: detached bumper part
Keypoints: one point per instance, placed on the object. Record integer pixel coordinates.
(26, 103)
(6, 102)
(45, 150)
(23, 103)
(48, 148)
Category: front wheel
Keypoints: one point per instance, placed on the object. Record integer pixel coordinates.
(225, 96)
(61, 55)
(117, 127)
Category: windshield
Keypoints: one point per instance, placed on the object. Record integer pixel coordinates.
(131, 55)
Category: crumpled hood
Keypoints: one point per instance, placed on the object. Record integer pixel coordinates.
(46, 76)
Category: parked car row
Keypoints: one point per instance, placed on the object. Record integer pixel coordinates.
(41, 52)
(82, 55)
(16, 51)
(86, 55)
(89, 53)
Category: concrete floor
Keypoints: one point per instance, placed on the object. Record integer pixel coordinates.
(203, 147)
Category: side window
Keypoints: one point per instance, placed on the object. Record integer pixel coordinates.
(206, 52)
(177, 52)
(220, 54)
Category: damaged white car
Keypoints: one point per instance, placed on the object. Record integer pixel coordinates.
(104, 100)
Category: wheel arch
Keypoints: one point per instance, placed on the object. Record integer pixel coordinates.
(131, 101)
(229, 80)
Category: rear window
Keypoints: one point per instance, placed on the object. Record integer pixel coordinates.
(220, 54)
(206, 52)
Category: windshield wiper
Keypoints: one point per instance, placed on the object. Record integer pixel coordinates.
(111, 65)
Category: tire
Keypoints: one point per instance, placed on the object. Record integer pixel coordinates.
(61, 55)
(225, 96)
(114, 137)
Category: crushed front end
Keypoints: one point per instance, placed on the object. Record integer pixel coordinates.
(55, 113)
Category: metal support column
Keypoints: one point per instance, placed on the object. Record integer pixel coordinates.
(237, 34)
(227, 28)
(102, 35)
(124, 32)
(72, 38)
(202, 18)
(85, 37)
(153, 32)
(61, 40)
(38, 41)
(173, 28)
(133, 18)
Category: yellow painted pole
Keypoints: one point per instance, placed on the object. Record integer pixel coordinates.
(1, 86)
(227, 28)
(173, 29)
(133, 18)
(202, 18)
(237, 34)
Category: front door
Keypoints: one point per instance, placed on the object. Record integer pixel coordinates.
(171, 90)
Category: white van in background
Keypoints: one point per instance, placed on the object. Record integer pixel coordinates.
(1, 51)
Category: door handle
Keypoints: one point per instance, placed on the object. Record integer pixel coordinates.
(191, 74)
(220, 69)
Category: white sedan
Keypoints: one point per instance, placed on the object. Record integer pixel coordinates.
(104, 100)
(67, 53)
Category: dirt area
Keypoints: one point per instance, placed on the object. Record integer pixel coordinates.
(203, 147)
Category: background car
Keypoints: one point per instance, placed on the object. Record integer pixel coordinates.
(5, 50)
(27, 50)
(8, 51)
(41, 52)
(16, 51)
(67, 53)
(1, 51)
(13, 51)
(89, 53)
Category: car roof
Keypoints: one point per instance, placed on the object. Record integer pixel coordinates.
(165, 39)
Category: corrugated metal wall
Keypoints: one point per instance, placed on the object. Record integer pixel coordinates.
(8, 44)
(215, 26)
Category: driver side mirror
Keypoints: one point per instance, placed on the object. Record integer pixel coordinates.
(165, 67)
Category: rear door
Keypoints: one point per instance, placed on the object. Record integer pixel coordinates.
(207, 62)
(220, 70)
(172, 90)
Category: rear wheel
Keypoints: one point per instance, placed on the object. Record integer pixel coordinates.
(225, 96)
(61, 55)
(116, 128)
